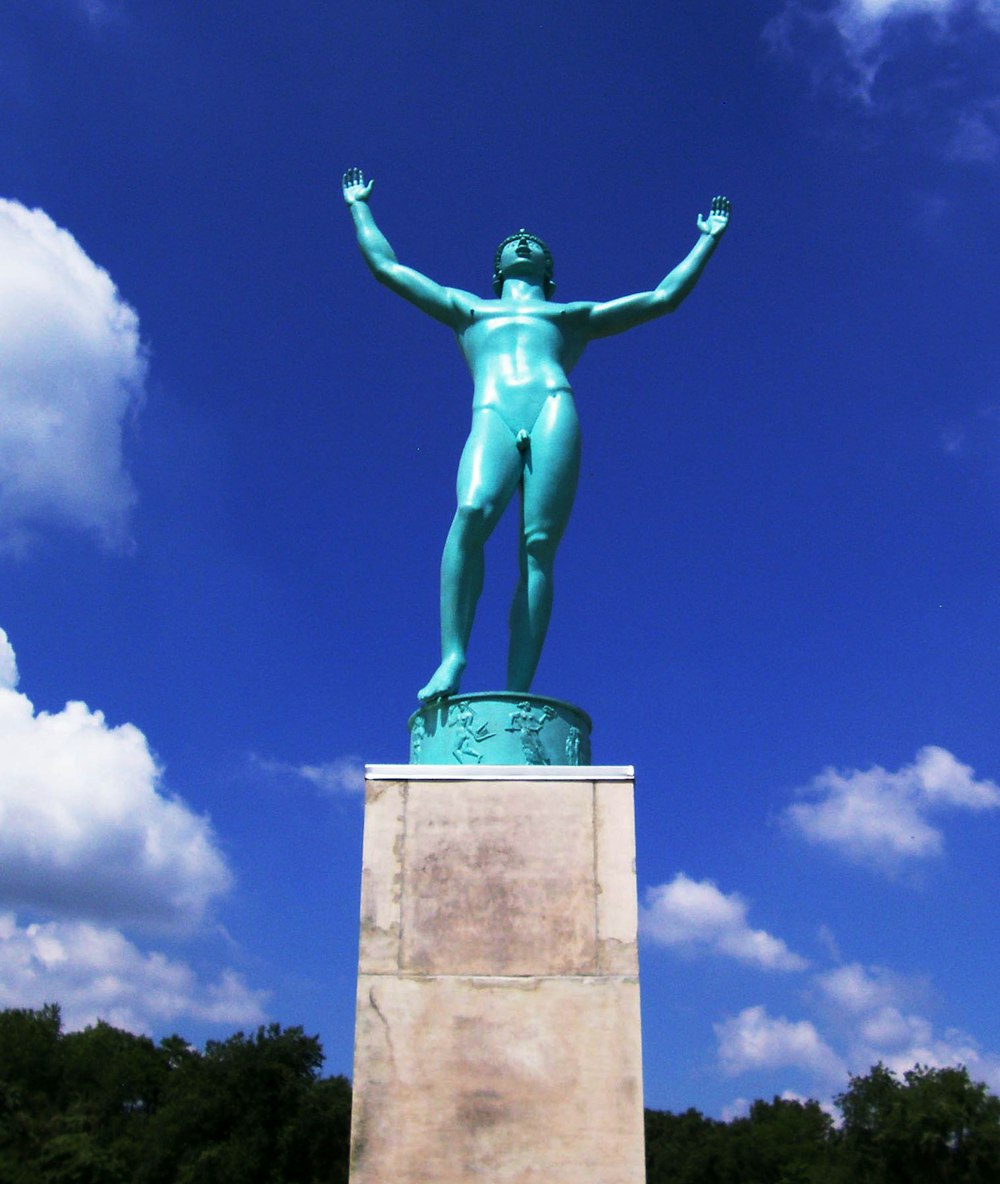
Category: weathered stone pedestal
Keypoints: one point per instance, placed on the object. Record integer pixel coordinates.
(498, 997)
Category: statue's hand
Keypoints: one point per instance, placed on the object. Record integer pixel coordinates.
(718, 218)
(355, 188)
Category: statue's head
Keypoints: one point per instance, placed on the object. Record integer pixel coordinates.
(523, 236)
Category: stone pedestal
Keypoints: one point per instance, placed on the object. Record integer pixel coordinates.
(498, 997)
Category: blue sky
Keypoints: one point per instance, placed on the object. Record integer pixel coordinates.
(227, 465)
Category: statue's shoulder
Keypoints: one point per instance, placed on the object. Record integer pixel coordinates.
(466, 303)
(578, 308)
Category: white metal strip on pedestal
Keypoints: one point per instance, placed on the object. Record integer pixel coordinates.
(499, 773)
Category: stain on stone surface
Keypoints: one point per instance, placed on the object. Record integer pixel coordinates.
(368, 900)
(467, 887)
(487, 887)
(359, 1137)
(481, 1109)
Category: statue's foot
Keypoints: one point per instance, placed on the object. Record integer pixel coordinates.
(445, 681)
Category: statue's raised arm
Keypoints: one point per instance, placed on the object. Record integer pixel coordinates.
(615, 316)
(432, 298)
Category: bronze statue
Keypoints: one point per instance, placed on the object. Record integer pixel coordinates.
(525, 435)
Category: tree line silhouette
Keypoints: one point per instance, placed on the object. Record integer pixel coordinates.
(104, 1106)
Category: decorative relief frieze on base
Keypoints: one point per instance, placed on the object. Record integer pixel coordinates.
(499, 728)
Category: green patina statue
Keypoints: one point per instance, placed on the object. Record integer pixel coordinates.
(525, 435)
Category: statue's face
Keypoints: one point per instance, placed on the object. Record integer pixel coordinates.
(523, 258)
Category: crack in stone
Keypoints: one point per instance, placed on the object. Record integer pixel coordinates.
(385, 1023)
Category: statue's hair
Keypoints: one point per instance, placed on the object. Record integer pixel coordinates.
(550, 285)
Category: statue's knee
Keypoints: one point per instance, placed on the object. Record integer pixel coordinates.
(540, 546)
(472, 519)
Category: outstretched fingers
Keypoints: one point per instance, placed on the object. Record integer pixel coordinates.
(355, 188)
(718, 216)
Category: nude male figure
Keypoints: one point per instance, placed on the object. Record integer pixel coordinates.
(525, 435)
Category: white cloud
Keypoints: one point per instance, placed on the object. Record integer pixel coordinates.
(977, 136)
(86, 833)
(877, 1025)
(97, 13)
(737, 1108)
(335, 777)
(740, 1107)
(96, 973)
(345, 775)
(863, 23)
(86, 830)
(690, 913)
(8, 664)
(867, 1017)
(847, 43)
(828, 940)
(875, 12)
(95, 10)
(855, 989)
(72, 369)
(916, 1044)
(755, 1040)
(880, 818)
(889, 1027)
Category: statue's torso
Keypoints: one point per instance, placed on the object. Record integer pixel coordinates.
(520, 354)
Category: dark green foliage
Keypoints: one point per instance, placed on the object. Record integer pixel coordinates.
(103, 1106)
(250, 1110)
(933, 1126)
(29, 1050)
(780, 1142)
(318, 1139)
(30, 1083)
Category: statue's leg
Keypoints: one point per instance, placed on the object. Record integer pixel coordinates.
(552, 466)
(488, 474)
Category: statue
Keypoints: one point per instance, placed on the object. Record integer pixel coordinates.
(525, 435)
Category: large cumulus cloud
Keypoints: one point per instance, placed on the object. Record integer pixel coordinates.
(693, 915)
(95, 973)
(91, 845)
(882, 818)
(72, 367)
(86, 829)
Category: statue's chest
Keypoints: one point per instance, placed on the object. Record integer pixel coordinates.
(524, 336)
